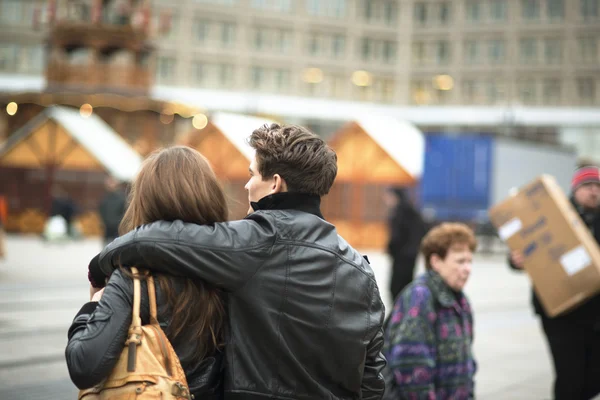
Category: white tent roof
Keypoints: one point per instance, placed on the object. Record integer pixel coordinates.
(94, 135)
(237, 128)
(400, 139)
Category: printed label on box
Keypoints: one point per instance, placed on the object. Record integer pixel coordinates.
(510, 228)
(575, 260)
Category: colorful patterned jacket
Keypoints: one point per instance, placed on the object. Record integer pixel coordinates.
(429, 341)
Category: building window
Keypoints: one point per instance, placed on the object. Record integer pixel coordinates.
(418, 53)
(390, 12)
(494, 92)
(201, 29)
(272, 5)
(528, 51)
(470, 91)
(165, 68)
(8, 57)
(282, 80)
(313, 44)
(338, 46)
(443, 52)
(588, 51)
(33, 59)
(421, 92)
(556, 9)
(530, 9)
(526, 88)
(497, 51)
(257, 77)
(284, 41)
(553, 51)
(551, 91)
(444, 12)
(472, 52)
(389, 51)
(472, 10)
(366, 49)
(589, 9)
(198, 72)
(326, 8)
(226, 75)
(11, 11)
(227, 33)
(586, 90)
(420, 13)
(498, 10)
(259, 38)
(219, 2)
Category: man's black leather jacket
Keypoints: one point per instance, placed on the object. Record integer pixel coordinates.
(304, 308)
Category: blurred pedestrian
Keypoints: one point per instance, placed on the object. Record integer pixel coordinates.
(112, 208)
(63, 206)
(574, 337)
(406, 228)
(429, 336)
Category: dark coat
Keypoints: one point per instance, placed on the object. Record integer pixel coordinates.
(407, 229)
(111, 210)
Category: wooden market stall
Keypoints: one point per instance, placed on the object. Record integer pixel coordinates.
(60, 148)
(223, 142)
(374, 153)
(100, 57)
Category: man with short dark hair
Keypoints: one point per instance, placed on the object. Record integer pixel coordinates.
(304, 308)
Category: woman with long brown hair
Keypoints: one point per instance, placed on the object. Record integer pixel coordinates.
(176, 183)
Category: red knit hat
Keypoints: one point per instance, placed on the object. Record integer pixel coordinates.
(585, 175)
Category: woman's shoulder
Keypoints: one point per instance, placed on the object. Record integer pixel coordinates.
(416, 297)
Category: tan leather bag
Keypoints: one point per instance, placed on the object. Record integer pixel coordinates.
(148, 367)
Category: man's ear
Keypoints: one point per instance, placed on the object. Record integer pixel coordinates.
(278, 185)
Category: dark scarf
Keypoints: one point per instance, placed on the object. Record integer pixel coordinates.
(309, 203)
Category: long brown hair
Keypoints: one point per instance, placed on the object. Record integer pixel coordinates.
(177, 183)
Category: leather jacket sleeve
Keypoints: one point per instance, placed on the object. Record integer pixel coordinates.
(223, 254)
(373, 384)
(104, 328)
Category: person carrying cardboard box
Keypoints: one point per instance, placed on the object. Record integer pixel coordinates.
(574, 337)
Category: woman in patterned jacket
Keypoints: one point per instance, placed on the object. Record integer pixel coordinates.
(429, 337)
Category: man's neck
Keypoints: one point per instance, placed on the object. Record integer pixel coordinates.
(305, 202)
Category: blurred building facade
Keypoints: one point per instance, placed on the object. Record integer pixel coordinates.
(441, 61)
(449, 52)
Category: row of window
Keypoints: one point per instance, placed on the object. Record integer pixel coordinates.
(427, 13)
(373, 11)
(529, 91)
(281, 41)
(28, 59)
(531, 50)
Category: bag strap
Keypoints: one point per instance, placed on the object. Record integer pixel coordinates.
(137, 299)
(152, 300)
(135, 329)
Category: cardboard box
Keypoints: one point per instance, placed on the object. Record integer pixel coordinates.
(562, 257)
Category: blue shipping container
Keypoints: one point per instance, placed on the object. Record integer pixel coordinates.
(455, 184)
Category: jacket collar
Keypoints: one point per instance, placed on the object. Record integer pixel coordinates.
(441, 291)
(305, 202)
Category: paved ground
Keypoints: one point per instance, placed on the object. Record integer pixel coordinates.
(43, 285)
